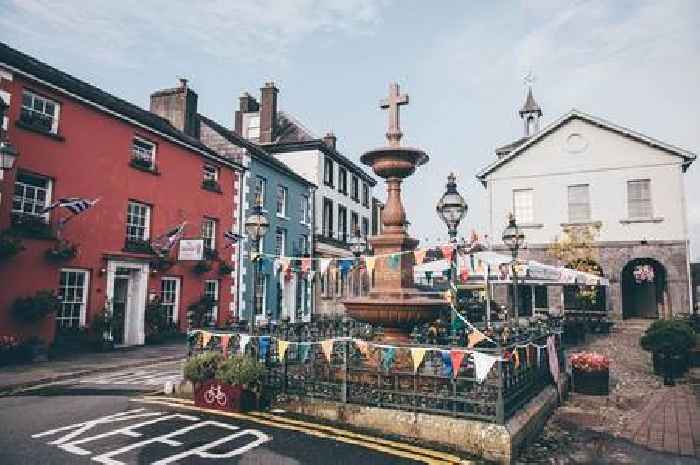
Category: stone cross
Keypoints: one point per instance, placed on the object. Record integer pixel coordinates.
(392, 102)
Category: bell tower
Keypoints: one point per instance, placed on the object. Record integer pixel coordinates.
(530, 113)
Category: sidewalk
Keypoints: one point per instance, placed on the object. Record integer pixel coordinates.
(79, 364)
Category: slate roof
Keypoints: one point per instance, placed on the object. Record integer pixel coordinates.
(687, 156)
(45, 74)
(254, 150)
(506, 149)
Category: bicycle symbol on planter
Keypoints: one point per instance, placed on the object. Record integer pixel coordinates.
(212, 395)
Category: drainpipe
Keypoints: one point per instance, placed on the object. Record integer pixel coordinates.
(312, 245)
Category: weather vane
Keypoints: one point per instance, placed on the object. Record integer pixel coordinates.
(529, 78)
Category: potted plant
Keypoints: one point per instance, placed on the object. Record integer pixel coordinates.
(9, 245)
(669, 341)
(32, 226)
(101, 326)
(591, 373)
(197, 311)
(63, 250)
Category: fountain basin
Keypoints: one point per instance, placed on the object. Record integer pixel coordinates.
(394, 162)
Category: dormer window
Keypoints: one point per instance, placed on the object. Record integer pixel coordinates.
(39, 112)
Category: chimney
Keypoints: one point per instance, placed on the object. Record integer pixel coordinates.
(247, 104)
(179, 106)
(268, 113)
(329, 139)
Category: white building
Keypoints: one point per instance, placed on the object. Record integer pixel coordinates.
(581, 170)
(343, 201)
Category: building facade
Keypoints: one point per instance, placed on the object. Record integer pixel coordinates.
(148, 175)
(285, 198)
(584, 172)
(342, 200)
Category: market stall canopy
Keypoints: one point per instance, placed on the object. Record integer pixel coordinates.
(475, 268)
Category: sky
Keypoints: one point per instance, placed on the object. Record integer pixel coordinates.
(635, 63)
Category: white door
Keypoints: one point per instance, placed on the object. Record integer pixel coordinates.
(128, 282)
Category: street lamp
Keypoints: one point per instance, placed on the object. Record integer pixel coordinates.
(451, 207)
(514, 239)
(8, 153)
(256, 226)
(358, 246)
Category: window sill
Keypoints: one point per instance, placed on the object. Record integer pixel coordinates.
(642, 220)
(530, 225)
(282, 217)
(152, 170)
(582, 223)
(38, 130)
(328, 185)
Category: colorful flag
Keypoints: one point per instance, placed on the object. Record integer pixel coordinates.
(225, 338)
(447, 251)
(304, 348)
(394, 261)
(369, 264)
(243, 341)
(475, 337)
(362, 346)
(75, 205)
(305, 264)
(446, 363)
(327, 347)
(388, 356)
(553, 359)
(284, 264)
(344, 265)
(417, 354)
(456, 357)
(165, 242)
(516, 357)
(282, 347)
(419, 255)
(263, 345)
(324, 263)
(482, 365)
(206, 337)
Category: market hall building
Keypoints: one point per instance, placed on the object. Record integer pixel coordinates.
(148, 175)
(584, 171)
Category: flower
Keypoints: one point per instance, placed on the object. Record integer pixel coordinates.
(589, 362)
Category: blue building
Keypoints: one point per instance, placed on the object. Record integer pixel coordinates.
(285, 198)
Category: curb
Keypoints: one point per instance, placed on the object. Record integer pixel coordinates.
(11, 388)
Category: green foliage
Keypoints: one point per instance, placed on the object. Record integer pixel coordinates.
(158, 324)
(197, 312)
(668, 337)
(240, 370)
(62, 251)
(9, 245)
(32, 226)
(202, 367)
(36, 307)
(202, 266)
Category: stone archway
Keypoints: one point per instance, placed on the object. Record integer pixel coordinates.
(643, 282)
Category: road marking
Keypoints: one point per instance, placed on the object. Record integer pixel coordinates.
(449, 458)
(397, 449)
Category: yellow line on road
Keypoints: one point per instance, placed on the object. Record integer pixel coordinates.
(312, 432)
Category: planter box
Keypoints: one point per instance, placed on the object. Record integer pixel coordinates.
(594, 383)
(220, 396)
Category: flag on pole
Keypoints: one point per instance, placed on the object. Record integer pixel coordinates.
(232, 237)
(75, 205)
(163, 243)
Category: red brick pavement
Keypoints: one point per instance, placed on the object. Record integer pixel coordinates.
(669, 423)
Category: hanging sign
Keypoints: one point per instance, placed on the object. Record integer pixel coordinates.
(191, 249)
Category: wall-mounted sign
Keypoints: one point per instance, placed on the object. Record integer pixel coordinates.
(191, 249)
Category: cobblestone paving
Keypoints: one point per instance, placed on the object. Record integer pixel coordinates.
(640, 422)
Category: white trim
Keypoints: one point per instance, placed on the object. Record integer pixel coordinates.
(134, 334)
(176, 308)
(86, 290)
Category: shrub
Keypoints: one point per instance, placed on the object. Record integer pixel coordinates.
(240, 370)
(35, 308)
(202, 367)
(589, 362)
(197, 312)
(9, 245)
(669, 337)
(158, 324)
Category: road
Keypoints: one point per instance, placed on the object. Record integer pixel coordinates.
(114, 419)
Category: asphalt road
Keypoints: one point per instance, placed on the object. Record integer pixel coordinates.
(94, 421)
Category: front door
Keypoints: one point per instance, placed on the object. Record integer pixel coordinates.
(120, 303)
(127, 283)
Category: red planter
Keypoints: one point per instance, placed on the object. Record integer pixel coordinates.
(220, 396)
(595, 383)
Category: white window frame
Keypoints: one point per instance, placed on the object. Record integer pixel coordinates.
(209, 233)
(210, 172)
(261, 291)
(305, 210)
(47, 197)
(280, 251)
(175, 304)
(518, 217)
(304, 243)
(355, 188)
(262, 182)
(354, 218)
(57, 108)
(650, 212)
(215, 308)
(86, 291)
(147, 220)
(579, 205)
(328, 169)
(139, 153)
(342, 180)
(365, 194)
(281, 190)
(343, 233)
(364, 221)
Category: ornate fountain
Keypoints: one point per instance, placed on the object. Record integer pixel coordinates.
(394, 302)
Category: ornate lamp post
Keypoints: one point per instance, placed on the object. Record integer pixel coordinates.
(256, 226)
(452, 208)
(8, 153)
(514, 239)
(358, 246)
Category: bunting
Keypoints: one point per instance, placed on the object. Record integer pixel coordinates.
(263, 345)
(284, 264)
(446, 363)
(482, 365)
(419, 255)
(304, 348)
(243, 342)
(475, 337)
(344, 265)
(516, 357)
(282, 347)
(456, 357)
(394, 261)
(447, 251)
(206, 337)
(553, 359)
(305, 265)
(324, 264)
(225, 339)
(362, 346)
(369, 264)
(388, 356)
(327, 347)
(417, 354)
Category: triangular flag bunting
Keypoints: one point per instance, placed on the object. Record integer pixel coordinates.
(417, 354)
(243, 342)
(369, 264)
(225, 338)
(419, 255)
(305, 264)
(327, 347)
(206, 337)
(388, 355)
(362, 346)
(447, 251)
(282, 347)
(482, 365)
(456, 357)
(304, 348)
(324, 263)
(516, 357)
(475, 337)
(263, 345)
(446, 363)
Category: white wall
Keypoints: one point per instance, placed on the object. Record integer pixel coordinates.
(606, 163)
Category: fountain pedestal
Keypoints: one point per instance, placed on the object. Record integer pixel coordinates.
(394, 302)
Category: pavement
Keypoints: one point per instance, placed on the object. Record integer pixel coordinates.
(80, 364)
(112, 419)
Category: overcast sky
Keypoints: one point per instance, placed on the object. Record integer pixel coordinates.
(635, 63)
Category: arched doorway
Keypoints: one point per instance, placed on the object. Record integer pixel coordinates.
(643, 282)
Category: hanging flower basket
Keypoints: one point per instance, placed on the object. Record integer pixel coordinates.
(9, 245)
(591, 373)
(61, 252)
(225, 269)
(202, 266)
(643, 273)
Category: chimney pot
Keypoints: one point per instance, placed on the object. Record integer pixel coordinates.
(330, 140)
(178, 106)
(268, 113)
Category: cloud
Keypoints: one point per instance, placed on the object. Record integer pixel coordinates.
(127, 32)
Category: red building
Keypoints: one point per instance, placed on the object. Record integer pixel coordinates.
(149, 173)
